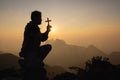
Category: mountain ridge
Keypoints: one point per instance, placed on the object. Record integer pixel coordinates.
(66, 55)
(71, 54)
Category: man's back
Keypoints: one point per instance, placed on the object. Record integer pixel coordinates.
(32, 37)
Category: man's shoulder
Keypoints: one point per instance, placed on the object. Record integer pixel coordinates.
(31, 27)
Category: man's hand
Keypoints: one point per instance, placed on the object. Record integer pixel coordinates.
(49, 28)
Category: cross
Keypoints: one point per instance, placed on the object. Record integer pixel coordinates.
(48, 20)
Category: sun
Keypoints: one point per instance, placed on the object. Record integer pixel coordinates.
(53, 29)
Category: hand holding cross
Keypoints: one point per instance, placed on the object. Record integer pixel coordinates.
(48, 21)
(48, 26)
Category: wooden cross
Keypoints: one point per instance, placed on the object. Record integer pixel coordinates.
(48, 20)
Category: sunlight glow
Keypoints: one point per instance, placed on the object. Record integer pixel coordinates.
(53, 29)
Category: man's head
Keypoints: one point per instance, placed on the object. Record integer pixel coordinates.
(36, 17)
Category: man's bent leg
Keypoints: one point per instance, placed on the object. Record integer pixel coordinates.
(44, 50)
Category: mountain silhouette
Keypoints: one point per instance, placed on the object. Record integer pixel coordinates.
(52, 71)
(8, 60)
(114, 57)
(67, 55)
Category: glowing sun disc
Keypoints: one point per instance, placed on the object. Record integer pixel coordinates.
(53, 29)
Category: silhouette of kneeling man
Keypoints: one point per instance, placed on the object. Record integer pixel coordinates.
(31, 51)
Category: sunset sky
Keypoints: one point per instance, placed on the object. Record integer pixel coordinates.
(78, 22)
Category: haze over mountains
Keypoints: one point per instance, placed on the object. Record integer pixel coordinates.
(64, 55)
(67, 55)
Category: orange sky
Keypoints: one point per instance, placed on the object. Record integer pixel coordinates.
(79, 22)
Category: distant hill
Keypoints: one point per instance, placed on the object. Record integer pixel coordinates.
(67, 55)
(52, 71)
(64, 55)
(114, 57)
(8, 60)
